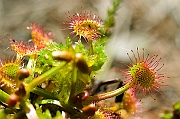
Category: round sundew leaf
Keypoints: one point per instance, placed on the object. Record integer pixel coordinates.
(10, 69)
(8, 76)
(143, 73)
(84, 24)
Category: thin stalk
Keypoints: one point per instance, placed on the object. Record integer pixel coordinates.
(43, 77)
(110, 94)
(90, 47)
(49, 101)
(4, 96)
(43, 93)
(110, 20)
(74, 78)
(72, 110)
(31, 64)
(66, 107)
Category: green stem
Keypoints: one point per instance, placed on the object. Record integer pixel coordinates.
(90, 47)
(31, 64)
(43, 77)
(49, 101)
(72, 110)
(43, 93)
(111, 94)
(68, 108)
(74, 78)
(4, 96)
(110, 20)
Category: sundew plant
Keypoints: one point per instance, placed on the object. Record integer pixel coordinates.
(50, 80)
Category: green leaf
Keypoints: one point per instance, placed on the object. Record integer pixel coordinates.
(46, 114)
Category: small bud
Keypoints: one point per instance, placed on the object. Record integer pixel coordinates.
(89, 110)
(82, 96)
(22, 73)
(21, 92)
(13, 100)
(85, 95)
(81, 63)
(46, 57)
(62, 55)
